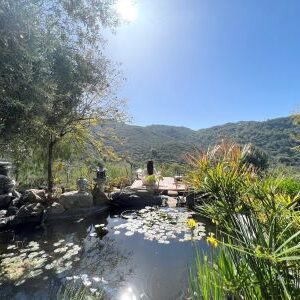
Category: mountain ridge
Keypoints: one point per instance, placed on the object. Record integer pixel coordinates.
(273, 136)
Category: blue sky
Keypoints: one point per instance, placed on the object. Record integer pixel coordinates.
(199, 63)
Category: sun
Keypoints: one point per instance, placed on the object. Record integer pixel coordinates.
(126, 9)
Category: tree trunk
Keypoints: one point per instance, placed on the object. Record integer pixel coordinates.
(50, 163)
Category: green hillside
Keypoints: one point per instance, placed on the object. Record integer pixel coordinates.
(172, 142)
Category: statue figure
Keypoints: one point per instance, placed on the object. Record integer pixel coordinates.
(82, 185)
(101, 176)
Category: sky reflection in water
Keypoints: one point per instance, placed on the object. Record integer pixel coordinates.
(145, 256)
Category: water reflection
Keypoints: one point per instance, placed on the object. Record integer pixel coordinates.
(38, 263)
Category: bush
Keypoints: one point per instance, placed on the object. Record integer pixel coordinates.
(289, 186)
(258, 228)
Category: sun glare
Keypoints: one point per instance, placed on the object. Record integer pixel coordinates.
(126, 9)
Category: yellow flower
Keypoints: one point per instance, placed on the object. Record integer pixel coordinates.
(238, 208)
(215, 222)
(212, 240)
(191, 223)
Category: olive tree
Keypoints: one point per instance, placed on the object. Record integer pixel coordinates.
(68, 84)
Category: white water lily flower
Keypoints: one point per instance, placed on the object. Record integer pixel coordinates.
(96, 279)
(87, 283)
(10, 247)
(49, 266)
(33, 254)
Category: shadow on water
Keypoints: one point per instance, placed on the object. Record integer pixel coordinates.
(37, 262)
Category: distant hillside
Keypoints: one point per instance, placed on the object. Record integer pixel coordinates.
(172, 142)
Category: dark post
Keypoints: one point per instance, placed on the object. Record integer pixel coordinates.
(150, 167)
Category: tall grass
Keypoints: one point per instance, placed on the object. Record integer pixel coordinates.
(258, 225)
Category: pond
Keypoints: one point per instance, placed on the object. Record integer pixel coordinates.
(144, 254)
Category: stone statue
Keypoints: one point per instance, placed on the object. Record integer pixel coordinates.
(101, 176)
(82, 184)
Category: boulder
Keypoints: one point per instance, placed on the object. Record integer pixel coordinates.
(5, 167)
(3, 213)
(99, 198)
(30, 210)
(11, 211)
(5, 200)
(172, 193)
(6, 184)
(55, 208)
(18, 202)
(16, 194)
(76, 199)
(3, 223)
(35, 196)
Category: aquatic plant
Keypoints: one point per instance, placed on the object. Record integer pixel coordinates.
(79, 288)
(30, 261)
(163, 225)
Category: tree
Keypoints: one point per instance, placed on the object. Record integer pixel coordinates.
(69, 84)
(257, 158)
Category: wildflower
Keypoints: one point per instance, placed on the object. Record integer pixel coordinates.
(238, 208)
(191, 223)
(212, 240)
(215, 221)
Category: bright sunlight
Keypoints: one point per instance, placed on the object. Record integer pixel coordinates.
(126, 9)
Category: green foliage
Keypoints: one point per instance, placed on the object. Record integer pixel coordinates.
(72, 291)
(273, 137)
(289, 186)
(150, 180)
(215, 277)
(57, 84)
(221, 173)
(258, 226)
(256, 158)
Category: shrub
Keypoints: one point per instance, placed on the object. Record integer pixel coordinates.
(220, 173)
(289, 186)
(258, 228)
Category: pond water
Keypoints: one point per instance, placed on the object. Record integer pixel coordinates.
(145, 255)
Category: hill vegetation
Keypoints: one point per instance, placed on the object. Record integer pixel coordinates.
(274, 137)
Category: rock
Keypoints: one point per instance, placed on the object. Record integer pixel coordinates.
(35, 196)
(5, 168)
(3, 213)
(99, 198)
(30, 210)
(5, 200)
(3, 223)
(16, 194)
(76, 199)
(18, 202)
(6, 184)
(172, 193)
(55, 208)
(171, 202)
(191, 200)
(11, 211)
